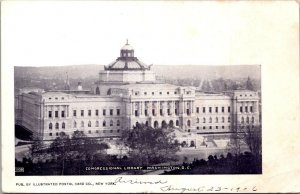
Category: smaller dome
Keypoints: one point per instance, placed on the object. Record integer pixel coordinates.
(127, 46)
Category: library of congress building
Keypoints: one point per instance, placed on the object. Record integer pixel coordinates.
(128, 93)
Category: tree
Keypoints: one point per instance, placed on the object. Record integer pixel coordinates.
(150, 146)
(251, 135)
(36, 149)
(60, 148)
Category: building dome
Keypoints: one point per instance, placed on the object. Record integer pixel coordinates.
(127, 60)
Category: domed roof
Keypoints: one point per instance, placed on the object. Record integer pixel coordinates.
(127, 61)
(127, 46)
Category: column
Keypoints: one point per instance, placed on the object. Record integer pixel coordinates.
(141, 108)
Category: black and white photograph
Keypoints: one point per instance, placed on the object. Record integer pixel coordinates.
(138, 88)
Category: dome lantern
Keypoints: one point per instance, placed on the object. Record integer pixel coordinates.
(127, 50)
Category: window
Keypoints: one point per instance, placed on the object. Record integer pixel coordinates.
(160, 93)
(62, 98)
(168, 110)
(241, 109)
(90, 131)
(188, 123)
(111, 123)
(161, 112)
(50, 114)
(204, 120)
(246, 109)
(153, 112)
(136, 113)
(74, 124)
(198, 120)
(118, 111)
(97, 131)
(210, 120)
(177, 122)
(223, 109)
(104, 124)
(111, 131)
(197, 110)
(104, 131)
(56, 114)
(136, 93)
(118, 123)
(252, 119)
(203, 127)
(197, 128)
(50, 125)
(97, 90)
(63, 125)
(228, 108)
(145, 93)
(210, 127)
(217, 119)
(210, 109)
(216, 109)
(176, 112)
(89, 124)
(146, 112)
(203, 109)
(223, 127)
(74, 113)
(217, 127)
(50, 134)
(63, 114)
(111, 112)
(242, 120)
(168, 93)
(89, 113)
(97, 112)
(97, 124)
(82, 113)
(104, 112)
(56, 126)
(228, 119)
(188, 111)
(56, 134)
(175, 92)
(56, 98)
(247, 120)
(82, 124)
(251, 108)
(118, 131)
(223, 119)
(152, 93)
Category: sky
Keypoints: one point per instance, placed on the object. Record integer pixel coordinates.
(53, 33)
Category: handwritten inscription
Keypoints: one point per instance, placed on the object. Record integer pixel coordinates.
(131, 181)
(170, 188)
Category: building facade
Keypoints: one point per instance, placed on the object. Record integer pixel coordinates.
(128, 93)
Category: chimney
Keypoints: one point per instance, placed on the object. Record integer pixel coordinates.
(79, 86)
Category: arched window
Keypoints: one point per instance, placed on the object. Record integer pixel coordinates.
(97, 124)
(228, 119)
(223, 119)
(247, 120)
(253, 120)
(177, 122)
(210, 119)
(82, 124)
(242, 120)
(204, 120)
(198, 120)
(50, 125)
(217, 119)
(56, 126)
(97, 90)
(111, 123)
(104, 124)
(89, 124)
(155, 124)
(188, 123)
(74, 124)
(63, 125)
(118, 123)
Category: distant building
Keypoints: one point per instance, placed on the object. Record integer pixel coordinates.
(128, 93)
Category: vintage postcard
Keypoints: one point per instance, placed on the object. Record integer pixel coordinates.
(140, 96)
